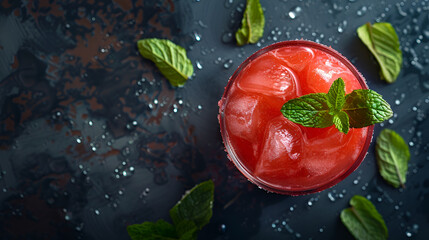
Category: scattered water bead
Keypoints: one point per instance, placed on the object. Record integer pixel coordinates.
(222, 228)
(199, 64)
(97, 212)
(79, 227)
(294, 12)
(228, 3)
(227, 64)
(342, 26)
(362, 11)
(218, 60)
(227, 37)
(197, 36)
(331, 197)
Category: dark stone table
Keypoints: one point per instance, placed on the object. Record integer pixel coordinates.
(93, 138)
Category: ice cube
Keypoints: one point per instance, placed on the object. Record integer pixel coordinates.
(269, 76)
(281, 150)
(323, 71)
(244, 115)
(297, 58)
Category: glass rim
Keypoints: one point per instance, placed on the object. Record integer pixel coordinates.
(239, 164)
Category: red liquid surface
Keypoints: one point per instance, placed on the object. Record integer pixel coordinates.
(272, 151)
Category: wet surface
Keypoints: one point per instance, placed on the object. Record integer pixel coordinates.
(93, 138)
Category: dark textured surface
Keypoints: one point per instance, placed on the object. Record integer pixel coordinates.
(93, 138)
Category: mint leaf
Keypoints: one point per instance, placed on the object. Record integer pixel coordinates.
(392, 157)
(187, 229)
(310, 110)
(160, 230)
(366, 107)
(358, 109)
(189, 215)
(341, 122)
(170, 59)
(363, 220)
(382, 41)
(336, 95)
(252, 24)
(196, 205)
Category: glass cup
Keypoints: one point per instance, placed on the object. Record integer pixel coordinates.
(239, 163)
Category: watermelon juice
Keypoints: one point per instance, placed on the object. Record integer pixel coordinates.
(273, 152)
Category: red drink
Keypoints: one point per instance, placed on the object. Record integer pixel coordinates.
(273, 152)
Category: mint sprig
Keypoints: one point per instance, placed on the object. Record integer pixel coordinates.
(189, 216)
(252, 24)
(393, 156)
(360, 108)
(170, 59)
(363, 220)
(383, 42)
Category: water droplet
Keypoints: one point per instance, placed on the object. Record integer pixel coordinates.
(228, 3)
(218, 60)
(197, 36)
(222, 228)
(198, 64)
(97, 212)
(227, 64)
(342, 26)
(199, 107)
(146, 192)
(362, 11)
(79, 227)
(294, 12)
(90, 123)
(397, 102)
(227, 37)
(400, 11)
(331, 197)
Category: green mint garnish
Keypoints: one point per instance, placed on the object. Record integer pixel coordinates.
(152, 230)
(189, 216)
(363, 220)
(358, 109)
(252, 24)
(366, 107)
(392, 157)
(170, 59)
(382, 41)
(336, 95)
